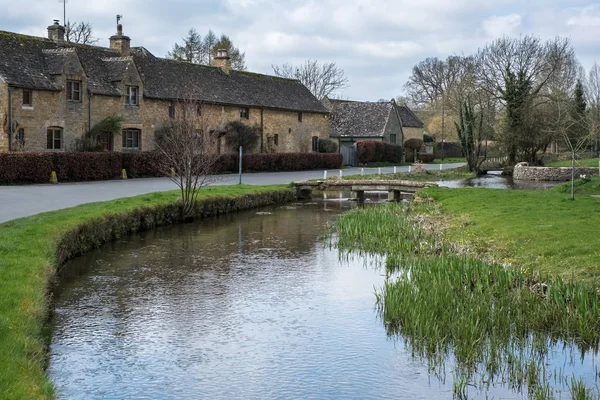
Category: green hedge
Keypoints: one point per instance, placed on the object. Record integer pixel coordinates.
(92, 166)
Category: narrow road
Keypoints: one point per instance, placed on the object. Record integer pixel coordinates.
(23, 201)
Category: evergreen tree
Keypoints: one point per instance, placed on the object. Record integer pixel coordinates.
(578, 127)
(238, 59)
(198, 50)
(191, 49)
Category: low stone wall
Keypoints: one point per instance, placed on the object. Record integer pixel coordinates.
(523, 171)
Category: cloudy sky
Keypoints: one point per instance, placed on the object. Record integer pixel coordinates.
(376, 42)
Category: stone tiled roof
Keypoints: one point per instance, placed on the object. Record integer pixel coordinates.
(23, 62)
(34, 62)
(170, 79)
(409, 119)
(359, 119)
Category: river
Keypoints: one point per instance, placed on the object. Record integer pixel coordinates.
(254, 305)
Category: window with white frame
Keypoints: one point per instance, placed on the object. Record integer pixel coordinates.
(54, 138)
(132, 96)
(73, 90)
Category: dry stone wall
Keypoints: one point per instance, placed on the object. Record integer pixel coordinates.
(523, 171)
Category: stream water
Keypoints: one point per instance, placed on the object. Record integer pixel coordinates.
(254, 305)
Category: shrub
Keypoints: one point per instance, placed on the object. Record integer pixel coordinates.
(327, 146)
(425, 157)
(79, 166)
(73, 167)
(376, 151)
(25, 167)
(428, 138)
(239, 134)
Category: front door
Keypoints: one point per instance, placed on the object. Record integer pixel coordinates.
(105, 141)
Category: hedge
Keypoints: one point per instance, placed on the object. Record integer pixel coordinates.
(375, 151)
(79, 166)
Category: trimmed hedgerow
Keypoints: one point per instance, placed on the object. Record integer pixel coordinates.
(25, 167)
(80, 166)
(426, 157)
(376, 151)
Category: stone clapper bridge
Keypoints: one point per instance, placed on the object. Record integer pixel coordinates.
(395, 188)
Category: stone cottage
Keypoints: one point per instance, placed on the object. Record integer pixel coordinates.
(52, 92)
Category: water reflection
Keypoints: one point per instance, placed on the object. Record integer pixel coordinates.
(253, 306)
(494, 180)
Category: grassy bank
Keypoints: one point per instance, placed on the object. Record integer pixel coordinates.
(542, 230)
(32, 248)
(497, 324)
(587, 162)
(423, 176)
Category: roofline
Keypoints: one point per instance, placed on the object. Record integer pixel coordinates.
(238, 105)
(413, 114)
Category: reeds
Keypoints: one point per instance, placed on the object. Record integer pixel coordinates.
(497, 323)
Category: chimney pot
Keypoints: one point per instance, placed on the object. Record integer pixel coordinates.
(223, 61)
(56, 32)
(120, 42)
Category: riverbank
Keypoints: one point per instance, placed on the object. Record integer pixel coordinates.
(32, 249)
(487, 322)
(542, 230)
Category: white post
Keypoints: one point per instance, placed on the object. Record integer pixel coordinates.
(394, 169)
(325, 175)
(241, 153)
(341, 173)
(362, 171)
(441, 166)
(379, 171)
(409, 168)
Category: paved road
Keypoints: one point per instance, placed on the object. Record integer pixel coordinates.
(23, 201)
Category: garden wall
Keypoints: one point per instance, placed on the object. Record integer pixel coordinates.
(523, 171)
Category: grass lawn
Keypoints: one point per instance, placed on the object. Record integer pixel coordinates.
(587, 162)
(543, 230)
(27, 264)
(383, 164)
(449, 160)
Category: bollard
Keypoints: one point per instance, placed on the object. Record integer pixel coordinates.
(394, 169)
(53, 178)
(379, 171)
(409, 168)
(341, 173)
(362, 171)
(441, 166)
(123, 174)
(325, 175)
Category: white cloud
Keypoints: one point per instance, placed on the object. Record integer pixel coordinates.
(376, 41)
(498, 26)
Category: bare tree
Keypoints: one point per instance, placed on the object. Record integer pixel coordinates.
(516, 71)
(442, 84)
(592, 91)
(188, 152)
(80, 32)
(321, 79)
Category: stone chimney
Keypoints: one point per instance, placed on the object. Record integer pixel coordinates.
(56, 32)
(120, 42)
(223, 61)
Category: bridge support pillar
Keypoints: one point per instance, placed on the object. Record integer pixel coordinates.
(394, 195)
(358, 195)
(303, 193)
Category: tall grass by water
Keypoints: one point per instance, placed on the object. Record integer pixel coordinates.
(497, 324)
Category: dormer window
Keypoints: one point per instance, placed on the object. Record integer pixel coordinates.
(74, 90)
(132, 96)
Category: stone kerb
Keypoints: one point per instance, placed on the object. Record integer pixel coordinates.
(523, 171)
